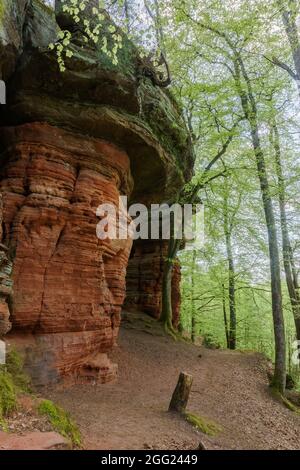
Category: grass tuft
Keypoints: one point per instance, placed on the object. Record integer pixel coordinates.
(8, 396)
(60, 421)
(14, 365)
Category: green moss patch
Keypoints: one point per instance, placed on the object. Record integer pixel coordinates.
(14, 365)
(203, 424)
(8, 396)
(60, 420)
(13, 380)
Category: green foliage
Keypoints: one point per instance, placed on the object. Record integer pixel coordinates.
(13, 381)
(204, 425)
(14, 366)
(209, 342)
(60, 420)
(95, 29)
(8, 396)
(2, 8)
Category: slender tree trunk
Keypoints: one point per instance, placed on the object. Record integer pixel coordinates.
(278, 320)
(225, 317)
(231, 276)
(289, 13)
(250, 110)
(193, 309)
(127, 15)
(288, 258)
(167, 311)
(156, 18)
(159, 28)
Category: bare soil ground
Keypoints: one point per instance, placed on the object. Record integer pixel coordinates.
(231, 388)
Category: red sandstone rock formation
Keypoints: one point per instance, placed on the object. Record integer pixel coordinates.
(69, 142)
(144, 279)
(34, 440)
(68, 285)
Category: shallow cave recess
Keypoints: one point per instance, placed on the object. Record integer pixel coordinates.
(144, 279)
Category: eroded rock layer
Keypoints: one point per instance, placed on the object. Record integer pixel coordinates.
(65, 279)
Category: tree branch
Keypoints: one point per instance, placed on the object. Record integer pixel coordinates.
(283, 66)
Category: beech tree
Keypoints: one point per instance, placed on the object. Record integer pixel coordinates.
(289, 10)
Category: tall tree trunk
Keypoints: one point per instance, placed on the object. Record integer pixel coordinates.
(290, 10)
(225, 317)
(159, 28)
(127, 15)
(167, 311)
(231, 276)
(193, 309)
(278, 320)
(250, 110)
(288, 258)
(156, 18)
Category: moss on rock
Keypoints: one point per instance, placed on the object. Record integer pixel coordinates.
(204, 425)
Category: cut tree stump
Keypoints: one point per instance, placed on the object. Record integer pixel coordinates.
(181, 393)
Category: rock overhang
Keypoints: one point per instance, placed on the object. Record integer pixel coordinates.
(95, 98)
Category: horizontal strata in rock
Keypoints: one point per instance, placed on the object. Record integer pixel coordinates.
(65, 280)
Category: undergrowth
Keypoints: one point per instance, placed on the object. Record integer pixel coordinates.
(60, 420)
(13, 380)
(8, 396)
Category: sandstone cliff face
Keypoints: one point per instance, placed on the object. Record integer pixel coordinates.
(69, 142)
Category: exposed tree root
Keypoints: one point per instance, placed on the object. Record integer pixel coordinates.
(287, 403)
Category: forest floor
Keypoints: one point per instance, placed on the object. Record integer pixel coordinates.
(230, 388)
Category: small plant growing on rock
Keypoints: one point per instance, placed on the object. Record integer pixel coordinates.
(94, 29)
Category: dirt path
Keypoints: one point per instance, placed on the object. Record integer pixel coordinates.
(229, 387)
